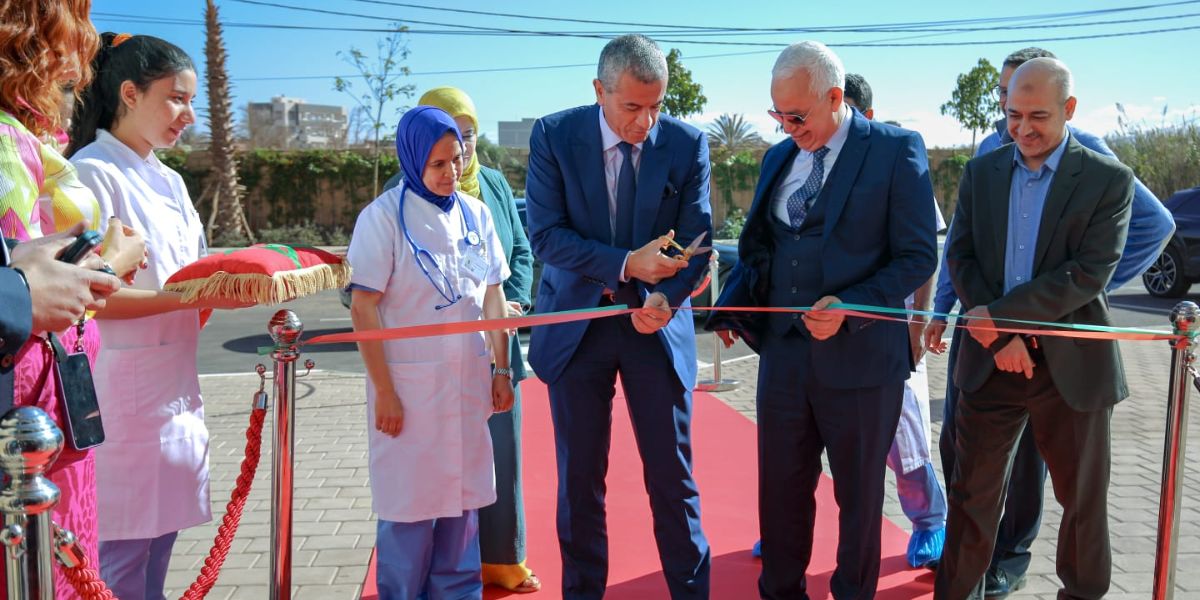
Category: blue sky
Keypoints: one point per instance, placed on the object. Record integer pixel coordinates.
(1144, 73)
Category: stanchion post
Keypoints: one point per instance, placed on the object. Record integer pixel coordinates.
(285, 329)
(29, 444)
(1185, 318)
(716, 384)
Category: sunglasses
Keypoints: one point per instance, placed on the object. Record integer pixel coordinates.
(788, 118)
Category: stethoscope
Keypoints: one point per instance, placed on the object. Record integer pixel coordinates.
(421, 255)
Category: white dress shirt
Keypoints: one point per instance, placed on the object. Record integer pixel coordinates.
(612, 166)
(802, 167)
(612, 170)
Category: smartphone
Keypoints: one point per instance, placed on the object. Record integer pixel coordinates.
(81, 247)
(84, 426)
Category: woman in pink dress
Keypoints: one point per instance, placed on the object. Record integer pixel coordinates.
(55, 37)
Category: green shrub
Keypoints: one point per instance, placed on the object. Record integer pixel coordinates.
(1166, 157)
(731, 229)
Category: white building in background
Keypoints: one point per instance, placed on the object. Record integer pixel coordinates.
(515, 134)
(293, 123)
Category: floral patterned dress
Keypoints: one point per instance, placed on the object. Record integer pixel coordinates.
(40, 194)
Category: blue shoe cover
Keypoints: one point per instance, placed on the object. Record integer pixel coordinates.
(925, 547)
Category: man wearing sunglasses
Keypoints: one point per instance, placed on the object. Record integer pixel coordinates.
(841, 215)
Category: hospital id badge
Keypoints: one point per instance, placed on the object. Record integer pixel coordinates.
(475, 264)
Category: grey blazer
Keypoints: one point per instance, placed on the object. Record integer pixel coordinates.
(1082, 233)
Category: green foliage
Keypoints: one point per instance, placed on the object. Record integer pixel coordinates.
(684, 96)
(731, 229)
(972, 103)
(946, 176)
(288, 187)
(305, 234)
(730, 134)
(735, 172)
(1166, 157)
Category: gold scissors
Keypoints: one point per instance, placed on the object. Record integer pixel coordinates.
(692, 249)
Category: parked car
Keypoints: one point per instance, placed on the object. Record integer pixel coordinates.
(1178, 267)
(727, 258)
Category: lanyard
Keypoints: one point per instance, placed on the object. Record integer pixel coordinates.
(425, 259)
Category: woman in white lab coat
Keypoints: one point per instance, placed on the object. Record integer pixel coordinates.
(424, 253)
(152, 470)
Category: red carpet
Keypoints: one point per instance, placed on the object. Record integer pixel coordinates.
(724, 451)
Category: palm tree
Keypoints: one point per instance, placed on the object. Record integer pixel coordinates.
(732, 134)
(227, 216)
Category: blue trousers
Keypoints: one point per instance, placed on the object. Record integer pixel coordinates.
(921, 494)
(502, 525)
(436, 559)
(137, 569)
(1023, 501)
(661, 411)
(798, 418)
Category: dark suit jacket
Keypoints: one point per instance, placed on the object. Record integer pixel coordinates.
(1079, 243)
(16, 321)
(567, 203)
(880, 244)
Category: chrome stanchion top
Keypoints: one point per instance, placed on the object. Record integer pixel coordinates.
(1185, 317)
(285, 329)
(29, 443)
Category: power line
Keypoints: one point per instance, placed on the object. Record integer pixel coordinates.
(697, 33)
(781, 30)
(867, 44)
(730, 31)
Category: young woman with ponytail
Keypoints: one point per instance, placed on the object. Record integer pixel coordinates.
(152, 471)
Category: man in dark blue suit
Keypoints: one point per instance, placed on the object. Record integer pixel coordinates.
(841, 214)
(608, 185)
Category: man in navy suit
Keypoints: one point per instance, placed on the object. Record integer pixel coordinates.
(841, 214)
(608, 184)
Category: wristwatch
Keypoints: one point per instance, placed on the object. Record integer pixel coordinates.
(505, 372)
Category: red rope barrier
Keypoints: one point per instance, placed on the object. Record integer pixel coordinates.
(90, 586)
(87, 582)
(233, 511)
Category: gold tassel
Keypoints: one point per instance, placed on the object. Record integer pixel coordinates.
(264, 289)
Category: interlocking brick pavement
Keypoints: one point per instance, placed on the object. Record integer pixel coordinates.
(335, 530)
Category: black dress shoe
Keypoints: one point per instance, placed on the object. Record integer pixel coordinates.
(998, 584)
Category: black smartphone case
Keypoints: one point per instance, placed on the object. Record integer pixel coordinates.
(80, 407)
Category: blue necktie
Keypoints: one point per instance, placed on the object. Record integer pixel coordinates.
(802, 199)
(626, 192)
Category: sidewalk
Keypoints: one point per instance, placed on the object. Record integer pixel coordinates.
(334, 527)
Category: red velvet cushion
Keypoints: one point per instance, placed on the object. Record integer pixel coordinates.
(262, 274)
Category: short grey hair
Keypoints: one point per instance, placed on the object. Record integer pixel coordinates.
(1055, 72)
(824, 68)
(635, 54)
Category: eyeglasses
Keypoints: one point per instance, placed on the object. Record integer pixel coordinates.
(788, 118)
(999, 92)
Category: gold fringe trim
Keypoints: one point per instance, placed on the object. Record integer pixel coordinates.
(264, 289)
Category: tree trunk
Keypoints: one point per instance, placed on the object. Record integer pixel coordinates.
(228, 217)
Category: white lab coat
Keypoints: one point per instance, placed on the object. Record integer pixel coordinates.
(152, 470)
(441, 462)
(913, 433)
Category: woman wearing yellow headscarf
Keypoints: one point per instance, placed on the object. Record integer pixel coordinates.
(501, 525)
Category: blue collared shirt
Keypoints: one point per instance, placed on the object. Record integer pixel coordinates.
(1150, 226)
(1026, 199)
